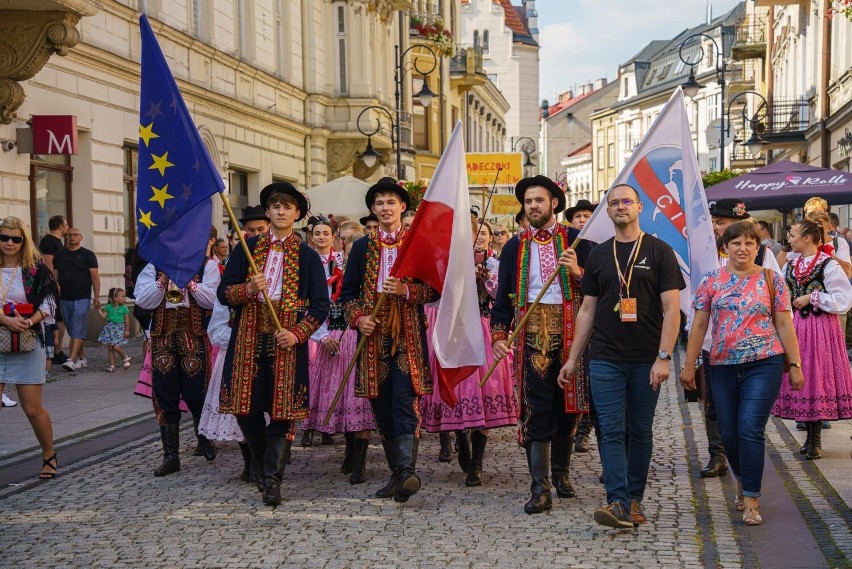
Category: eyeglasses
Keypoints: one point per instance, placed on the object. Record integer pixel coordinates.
(16, 239)
(626, 202)
(501, 233)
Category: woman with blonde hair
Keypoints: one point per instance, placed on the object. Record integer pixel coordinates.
(28, 294)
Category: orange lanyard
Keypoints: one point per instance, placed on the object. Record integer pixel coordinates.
(631, 263)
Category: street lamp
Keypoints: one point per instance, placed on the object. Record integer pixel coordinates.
(755, 143)
(692, 86)
(369, 156)
(425, 95)
(528, 147)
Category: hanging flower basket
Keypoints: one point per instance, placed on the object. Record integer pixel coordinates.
(444, 43)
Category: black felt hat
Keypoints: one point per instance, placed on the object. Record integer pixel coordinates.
(285, 188)
(731, 208)
(253, 213)
(544, 182)
(366, 218)
(520, 216)
(386, 184)
(582, 205)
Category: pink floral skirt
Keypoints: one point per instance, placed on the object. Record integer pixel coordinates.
(493, 405)
(827, 394)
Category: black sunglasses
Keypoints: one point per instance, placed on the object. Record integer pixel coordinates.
(16, 239)
(501, 232)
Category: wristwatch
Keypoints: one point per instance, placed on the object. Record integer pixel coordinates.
(796, 364)
(663, 355)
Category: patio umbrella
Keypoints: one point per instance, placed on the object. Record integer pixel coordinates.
(343, 196)
(785, 185)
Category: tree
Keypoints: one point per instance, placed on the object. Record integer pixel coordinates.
(713, 178)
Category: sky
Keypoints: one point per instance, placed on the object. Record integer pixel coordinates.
(584, 40)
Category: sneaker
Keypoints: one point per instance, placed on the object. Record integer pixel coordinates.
(8, 402)
(614, 516)
(70, 366)
(82, 363)
(637, 512)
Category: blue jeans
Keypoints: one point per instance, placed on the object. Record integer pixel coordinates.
(744, 395)
(624, 401)
(76, 315)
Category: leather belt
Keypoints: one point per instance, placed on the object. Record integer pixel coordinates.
(545, 319)
(265, 322)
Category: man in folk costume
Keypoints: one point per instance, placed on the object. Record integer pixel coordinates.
(269, 369)
(392, 369)
(180, 353)
(548, 415)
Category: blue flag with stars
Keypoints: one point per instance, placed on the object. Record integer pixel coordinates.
(176, 176)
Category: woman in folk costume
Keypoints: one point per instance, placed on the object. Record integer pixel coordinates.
(335, 347)
(266, 370)
(820, 291)
(479, 409)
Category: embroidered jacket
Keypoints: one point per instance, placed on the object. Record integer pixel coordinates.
(511, 304)
(303, 307)
(359, 297)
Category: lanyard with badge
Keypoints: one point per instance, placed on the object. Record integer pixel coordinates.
(626, 305)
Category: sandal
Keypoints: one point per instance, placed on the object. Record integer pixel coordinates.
(752, 517)
(110, 369)
(739, 504)
(46, 463)
(126, 364)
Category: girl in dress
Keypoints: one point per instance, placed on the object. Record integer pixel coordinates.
(820, 291)
(116, 331)
(335, 345)
(478, 409)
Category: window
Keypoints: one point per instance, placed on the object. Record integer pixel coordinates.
(610, 151)
(485, 41)
(420, 117)
(713, 108)
(340, 50)
(131, 159)
(624, 86)
(245, 30)
(493, 78)
(50, 191)
(238, 182)
(711, 164)
(281, 38)
(600, 157)
(202, 19)
(475, 38)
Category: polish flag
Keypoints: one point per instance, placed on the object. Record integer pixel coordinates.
(438, 250)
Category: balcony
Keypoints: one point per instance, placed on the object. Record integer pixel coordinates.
(466, 69)
(406, 143)
(742, 76)
(741, 159)
(770, 3)
(750, 39)
(427, 12)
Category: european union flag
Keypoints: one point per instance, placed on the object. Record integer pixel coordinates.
(176, 176)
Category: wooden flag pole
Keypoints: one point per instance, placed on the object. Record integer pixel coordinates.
(520, 325)
(250, 259)
(351, 365)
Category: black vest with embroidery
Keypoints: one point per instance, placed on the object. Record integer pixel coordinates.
(815, 281)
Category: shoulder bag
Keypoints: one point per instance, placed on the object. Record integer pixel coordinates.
(768, 274)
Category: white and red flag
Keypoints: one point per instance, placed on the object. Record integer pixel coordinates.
(438, 250)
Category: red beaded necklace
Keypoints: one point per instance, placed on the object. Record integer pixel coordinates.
(802, 272)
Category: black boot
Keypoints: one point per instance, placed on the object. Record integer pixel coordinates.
(170, 436)
(560, 464)
(207, 449)
(407, 481)
(348, 453)
(327, 439)
(474, 474)
(718, 463)
(538, 459)
(804, 449)
(359, 463)
(815, 446)
(581, 439)
(257, 444)
(277, 455)
(463, 446)
(307, 438)
(386, 491)
(246, 452)
(444, 454)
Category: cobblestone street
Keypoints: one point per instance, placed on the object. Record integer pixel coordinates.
(109, 510)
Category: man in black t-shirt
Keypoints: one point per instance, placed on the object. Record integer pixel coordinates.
(76, 270)
(50, 245)
(632, 314)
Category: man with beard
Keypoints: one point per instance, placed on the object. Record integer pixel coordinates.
(635, 278)
(548, 416)
(392, 369)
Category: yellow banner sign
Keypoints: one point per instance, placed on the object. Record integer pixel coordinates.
(503, 204)
(482, 168)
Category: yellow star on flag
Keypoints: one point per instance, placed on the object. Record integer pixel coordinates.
(161, 163)
(161, 195)
(146, 133)
(145, 219)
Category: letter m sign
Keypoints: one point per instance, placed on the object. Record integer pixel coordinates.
(54, 134)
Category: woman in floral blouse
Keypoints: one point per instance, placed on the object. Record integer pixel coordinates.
(752, 330)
